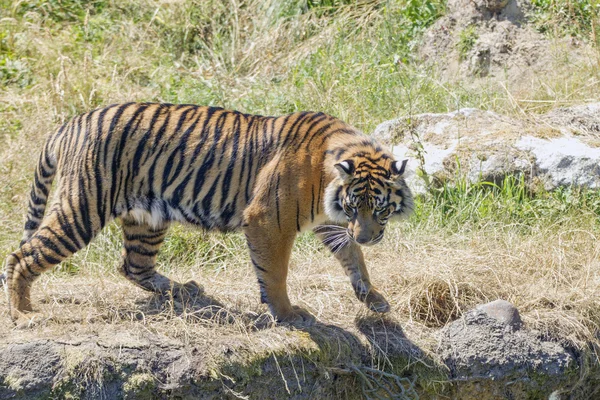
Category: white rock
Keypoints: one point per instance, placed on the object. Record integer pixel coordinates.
(559, 149)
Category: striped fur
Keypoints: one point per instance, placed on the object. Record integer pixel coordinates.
(153, 164)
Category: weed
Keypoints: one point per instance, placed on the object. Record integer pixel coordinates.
(466, 41)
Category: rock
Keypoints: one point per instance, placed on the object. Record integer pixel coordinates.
(560, 148)
(27, 367)
(581, 120)
(503, 312)
(491, 361)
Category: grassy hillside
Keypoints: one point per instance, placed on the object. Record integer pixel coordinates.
(355, 60)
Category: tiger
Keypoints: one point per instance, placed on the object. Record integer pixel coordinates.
(153, 164)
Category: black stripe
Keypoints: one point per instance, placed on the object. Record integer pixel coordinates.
(130, 126)
(31, 225)
(142, 268)
(180, 190)
(50, 260)
(46, 173)
(141, 148)
(179, 150)
(207, 200)
(225, 186)
(152, 241)
(85, 134)
(229, 211)
(84, 200)
(100, 206)
(156, 149)
(319, 194)
(263, 292)
(209, 160)
(141, 250)
(81, 230)
(305, 117)
(282, 129)
(36, 259)
(250, 157)
(39, 185)
(316, 118)
(66, 227)
(336, 131)
(258, 267)
(37, 201)
(319, 132)
(204, 131)
(293, 131)
(111, 129)
(70, 248)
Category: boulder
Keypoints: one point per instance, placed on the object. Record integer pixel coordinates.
(490, 359)
(560, 148)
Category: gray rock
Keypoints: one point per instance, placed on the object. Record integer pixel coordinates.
(560, 148)
(503, 312)
(27, 367)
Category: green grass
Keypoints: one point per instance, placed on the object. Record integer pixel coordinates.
(463, 205)
(577, 18)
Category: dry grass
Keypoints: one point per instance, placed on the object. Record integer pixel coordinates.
(430, 278)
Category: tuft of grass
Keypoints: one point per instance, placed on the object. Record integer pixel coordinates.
(466, 41)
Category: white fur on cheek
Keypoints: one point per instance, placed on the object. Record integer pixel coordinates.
(332, 212)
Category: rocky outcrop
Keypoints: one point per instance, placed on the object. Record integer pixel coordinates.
(556, 149)
(494, 356)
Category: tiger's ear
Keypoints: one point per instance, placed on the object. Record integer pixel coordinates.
(345, 169)
(398, 167)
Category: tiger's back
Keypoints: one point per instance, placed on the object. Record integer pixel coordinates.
(174, 162)
(152, 164)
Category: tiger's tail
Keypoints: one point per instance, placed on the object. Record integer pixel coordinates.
(40, 190)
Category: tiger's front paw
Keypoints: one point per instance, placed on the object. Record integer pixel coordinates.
(297, 316)
(376, 302)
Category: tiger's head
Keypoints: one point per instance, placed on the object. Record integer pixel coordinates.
(366, 194)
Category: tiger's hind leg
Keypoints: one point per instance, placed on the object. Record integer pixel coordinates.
(61, 234)
(141, 245)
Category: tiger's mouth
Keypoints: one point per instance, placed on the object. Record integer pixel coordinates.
(371, 242)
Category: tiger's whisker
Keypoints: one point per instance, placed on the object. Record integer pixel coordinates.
(332, 237)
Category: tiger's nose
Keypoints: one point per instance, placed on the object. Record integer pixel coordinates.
(362, 239)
